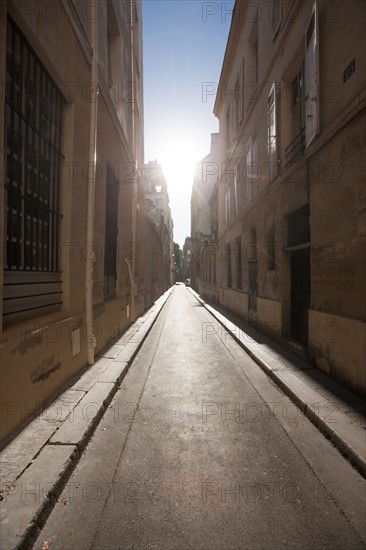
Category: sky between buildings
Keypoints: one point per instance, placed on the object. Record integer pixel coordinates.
(184, 46)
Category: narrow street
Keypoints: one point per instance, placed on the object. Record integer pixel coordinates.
(200, 450)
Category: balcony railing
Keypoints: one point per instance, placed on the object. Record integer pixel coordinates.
(296, 148)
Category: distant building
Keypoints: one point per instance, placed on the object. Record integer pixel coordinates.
(76, 246)
(290, 201)
(158, 208)
(187, 247)
(202, 257)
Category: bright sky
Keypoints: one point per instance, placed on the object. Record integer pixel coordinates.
(184, 46)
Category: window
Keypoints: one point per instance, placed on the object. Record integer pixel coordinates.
(256, 61)
(114, 47)
(238, 107)
(159, 204)
(252, 168)
(33, 135)
(252, 92)
(237, 189)
(232, 121)
(228, 265)
(271, 259)
(228, 131)
(276, 16)
(297, 145)
(311, 77)
(33, 116)
(272, 133)
(228, 206)
(241, 91)
(153, 266)
(111, 232)
(238, 258)
(233, 197)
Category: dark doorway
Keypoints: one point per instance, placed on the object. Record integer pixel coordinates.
(300, 294)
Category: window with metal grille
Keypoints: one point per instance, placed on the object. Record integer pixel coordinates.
(239, 270)
(272, 115)
(256, 61)
(271, 249)
(228, 265)
(33, 117)
(276, 15)
(33, 133)
(297, 145)
(252, 171)
(111, 232)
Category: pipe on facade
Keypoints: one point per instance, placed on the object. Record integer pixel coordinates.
(92, 159)
(131, 262)
(132, 283)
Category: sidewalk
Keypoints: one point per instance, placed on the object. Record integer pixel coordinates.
(336, 412)
(47, 450)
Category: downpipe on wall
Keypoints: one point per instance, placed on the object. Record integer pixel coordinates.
(130, 262)
(92, 159)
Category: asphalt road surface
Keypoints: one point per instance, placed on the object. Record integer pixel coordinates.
(200, 450)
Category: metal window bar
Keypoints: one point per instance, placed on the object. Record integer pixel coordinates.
(296, 148)
(111, 233)
(33, 138)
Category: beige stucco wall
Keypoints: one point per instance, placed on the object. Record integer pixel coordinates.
(36, 354)
(234, 301)
(338, 346)
(270, 316)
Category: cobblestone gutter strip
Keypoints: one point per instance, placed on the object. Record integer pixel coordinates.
(37, 464)
(311, 390)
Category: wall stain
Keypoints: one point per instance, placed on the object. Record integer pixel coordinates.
(44, 370)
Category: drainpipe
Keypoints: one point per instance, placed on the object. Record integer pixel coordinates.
(131, 277)
(131, 261)
(89, 248)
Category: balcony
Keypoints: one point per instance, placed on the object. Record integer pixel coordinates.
(296, 148)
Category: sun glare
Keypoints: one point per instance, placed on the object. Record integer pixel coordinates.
(178, 160)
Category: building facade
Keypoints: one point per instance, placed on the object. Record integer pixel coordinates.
(187, 247)
(158, 208)
(203, 258)
(73, 230)
(290, 201)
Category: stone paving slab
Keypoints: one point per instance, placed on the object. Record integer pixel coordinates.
(112, 352)
(87, 380)
(325, 402)
(21, 451)
(81, 423)
(115, 372)
(33, 495)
